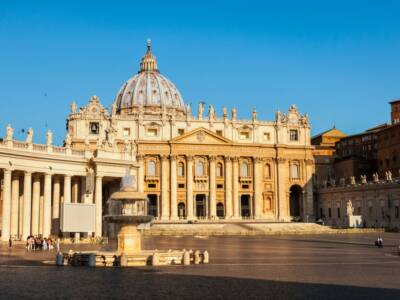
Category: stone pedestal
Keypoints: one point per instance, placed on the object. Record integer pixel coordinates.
(354, 221)
(129, 240)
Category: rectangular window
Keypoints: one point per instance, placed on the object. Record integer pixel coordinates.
(359, 210)
(127, 132)
(181, 131)
(338, 212)
(396, 212)
(245, 186)
(321, 212)
(220, 186)
(330, 212)
(152, 132)
(244, 135)
(219, 132)
(370, 210)
(94, 127)
(294, 135)
(266, 136)
(151, 185)
(181, 185)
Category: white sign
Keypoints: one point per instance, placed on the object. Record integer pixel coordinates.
(78, 217)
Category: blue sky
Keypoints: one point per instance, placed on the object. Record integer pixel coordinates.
(337, 60)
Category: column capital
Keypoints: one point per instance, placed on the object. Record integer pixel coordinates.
(281, 160)
(228, 158)
(212, 158)
(99, 176)
(257, 159)
(173, 157)
(235, 159)
(189, 157)
(27, 173)
(140, 157)
(164, 157)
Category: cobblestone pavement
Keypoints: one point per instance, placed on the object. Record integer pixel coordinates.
(273, 267)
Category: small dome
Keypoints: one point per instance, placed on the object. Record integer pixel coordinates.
(148, 88)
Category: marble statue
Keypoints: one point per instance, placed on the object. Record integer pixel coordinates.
(29, 137)
(188, 110)
(200, 111)
(254, 114)
(67, 140)
(49, 137)
(349, 208)
(234, 114)
(211, 113)
(363, 179)
(10, 133)
(225, 112)
(352, 180)
(73, 107)
(278, 117)
(113, 109)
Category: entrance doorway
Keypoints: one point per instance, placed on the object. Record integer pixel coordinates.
(201, 206)
(296, 195)
(245, 206)
(181, 210)
(152, 205)
(220, 210)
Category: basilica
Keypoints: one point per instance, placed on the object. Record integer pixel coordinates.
(194, 166)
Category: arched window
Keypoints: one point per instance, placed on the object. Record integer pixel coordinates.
(294, 171)
(219, 170)
(244, 169)
(199, 168)
(267, 171)
(151, 168)
(181, 169)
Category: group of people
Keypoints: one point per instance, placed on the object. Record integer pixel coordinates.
(40, 243)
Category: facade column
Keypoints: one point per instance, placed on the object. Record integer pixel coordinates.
(99, 206)
(82, 195)
(14, 205)
(67, 189)
(26, 223)
(257, 187)
(164, 188)
(235, 194)
(140, 182)
(47, 205)
(35, 205)
(283, 190)
(6, 220)
(189, 187)
(213, 194)
(174, 206)
(228, 187)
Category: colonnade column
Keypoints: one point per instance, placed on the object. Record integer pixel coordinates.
(26, 219)
(235, 194)
(56, 205)
(213, 200)
(140, 182)
(5, 232)
(35, 205)
(257, 187)
(14, 205)
(99, 206)
(47, 205)
(189, 187)
(67, 189)
(228, 187)
(164, 188)
(174, 207)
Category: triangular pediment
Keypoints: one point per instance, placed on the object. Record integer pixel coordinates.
(201, 136)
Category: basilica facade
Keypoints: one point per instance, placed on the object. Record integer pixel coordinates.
(204, 166)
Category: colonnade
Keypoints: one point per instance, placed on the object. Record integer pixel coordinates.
(36, 211)
(169, 201)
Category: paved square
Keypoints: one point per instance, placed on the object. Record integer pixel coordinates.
(277, 267)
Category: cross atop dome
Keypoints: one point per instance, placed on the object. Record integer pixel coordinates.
(149, 61)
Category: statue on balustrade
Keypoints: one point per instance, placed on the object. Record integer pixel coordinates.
(10, 133)
(29, 136)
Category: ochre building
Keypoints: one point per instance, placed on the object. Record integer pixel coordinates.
(192, 166)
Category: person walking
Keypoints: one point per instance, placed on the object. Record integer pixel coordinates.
(58, 245)
(10, 242)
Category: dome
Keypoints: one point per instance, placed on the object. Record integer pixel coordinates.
(148, 88)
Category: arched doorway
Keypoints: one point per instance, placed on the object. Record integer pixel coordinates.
(181, 210)
(296, 199)
(220, 210)
(201, 206)
(152, 205)
(245, 206)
